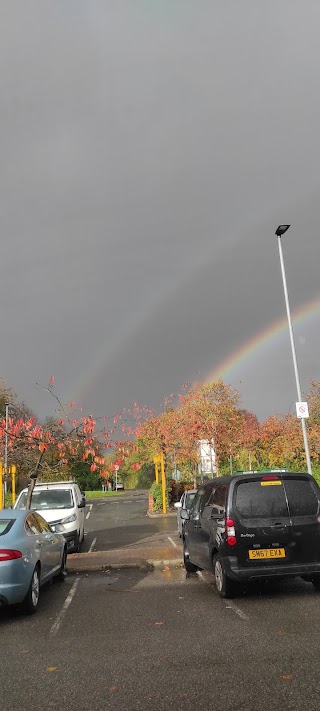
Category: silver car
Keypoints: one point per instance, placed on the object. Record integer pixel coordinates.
(30, 555)
(185, 504)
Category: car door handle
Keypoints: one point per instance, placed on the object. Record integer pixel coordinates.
(279, 525)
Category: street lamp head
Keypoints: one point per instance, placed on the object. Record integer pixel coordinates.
(281, 230)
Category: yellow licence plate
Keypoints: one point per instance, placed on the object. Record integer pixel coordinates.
(262, 553)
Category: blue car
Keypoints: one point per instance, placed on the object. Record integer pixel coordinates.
(30, 555)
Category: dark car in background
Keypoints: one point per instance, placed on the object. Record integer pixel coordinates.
(249, 527)
(185, 503)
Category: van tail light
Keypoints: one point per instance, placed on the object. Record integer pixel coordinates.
(7, 554)
(230, 532)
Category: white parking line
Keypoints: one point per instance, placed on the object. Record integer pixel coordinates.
(89, 512)
(231, 606)
(173, 542)
(56, 625)
(92, 545)
(228, 603)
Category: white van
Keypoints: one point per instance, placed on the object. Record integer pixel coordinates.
(62, 505)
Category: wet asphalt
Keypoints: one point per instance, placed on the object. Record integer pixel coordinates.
(128, 640)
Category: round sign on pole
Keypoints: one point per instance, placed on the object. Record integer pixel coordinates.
(302, 410)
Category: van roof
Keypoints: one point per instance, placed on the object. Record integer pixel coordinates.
(52, 484)
(283, 474)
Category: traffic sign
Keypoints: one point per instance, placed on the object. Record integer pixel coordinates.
(116, 467)
(302, 410)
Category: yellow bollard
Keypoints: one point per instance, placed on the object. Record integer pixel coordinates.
(13, 483)
(156, 460)
(1, 486)
(163, 482)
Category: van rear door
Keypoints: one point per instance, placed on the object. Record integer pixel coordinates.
(262, 522)
(303, 496)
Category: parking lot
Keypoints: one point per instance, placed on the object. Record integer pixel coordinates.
(163, 639)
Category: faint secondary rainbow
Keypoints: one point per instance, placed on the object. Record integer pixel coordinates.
(267, 337)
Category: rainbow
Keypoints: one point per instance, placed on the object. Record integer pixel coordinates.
(268, 336)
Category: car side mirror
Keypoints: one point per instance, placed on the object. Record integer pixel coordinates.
(178, 505)
(185, 514)
(82, 504)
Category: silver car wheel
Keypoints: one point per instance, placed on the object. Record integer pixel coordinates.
(35, 588)
(218, 575)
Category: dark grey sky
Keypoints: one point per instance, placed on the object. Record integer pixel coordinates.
(149, 149)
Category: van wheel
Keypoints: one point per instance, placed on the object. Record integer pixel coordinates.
(190, 567)
(316, 582)
(62, 574)
(225, 586)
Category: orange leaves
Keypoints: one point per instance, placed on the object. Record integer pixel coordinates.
(42, 446)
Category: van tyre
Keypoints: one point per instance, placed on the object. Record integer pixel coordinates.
(225, 587)
(63, 570)
(316, 582)
(190, 567)
(76, 545)
(31, 599)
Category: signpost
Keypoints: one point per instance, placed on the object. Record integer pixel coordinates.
(302, 410)
(116, 469)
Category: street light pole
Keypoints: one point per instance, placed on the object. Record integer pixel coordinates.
(279, 232)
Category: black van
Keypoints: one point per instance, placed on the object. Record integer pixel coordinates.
(253, 526)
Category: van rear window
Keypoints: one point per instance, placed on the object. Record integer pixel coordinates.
(256, 501)
(302, 498)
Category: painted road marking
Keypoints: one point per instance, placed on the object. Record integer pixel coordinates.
(89, 512)
(231, 606)
(92, 545)
(173, 542)
(56, 625)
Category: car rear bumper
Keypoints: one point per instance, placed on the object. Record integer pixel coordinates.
(13, 594)
(260, 572)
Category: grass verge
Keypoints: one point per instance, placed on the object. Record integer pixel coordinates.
(102, 494)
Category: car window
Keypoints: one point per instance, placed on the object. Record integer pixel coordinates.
(219, 496)
(206, 495)
(48, 499)
(188, 500)
(44, 526)
(302, 497)
(5, 525)
(32, 526)
(258, 499)
(197, 502)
